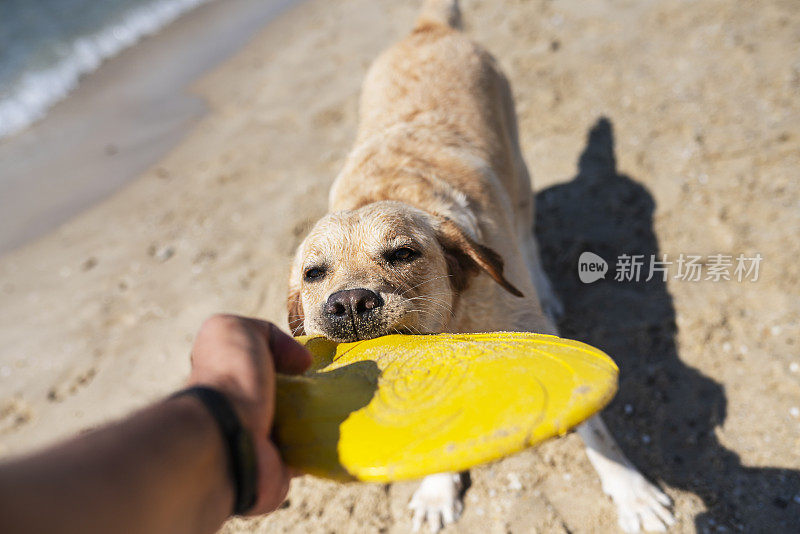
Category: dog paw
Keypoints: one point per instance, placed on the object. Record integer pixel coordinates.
(640, 504)
(436, 502)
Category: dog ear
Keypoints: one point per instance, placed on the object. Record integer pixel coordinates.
(294, 306)
(465, 258)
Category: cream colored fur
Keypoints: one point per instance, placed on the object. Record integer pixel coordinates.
(438, 133)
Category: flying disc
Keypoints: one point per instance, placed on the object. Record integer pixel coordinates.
(401, 407)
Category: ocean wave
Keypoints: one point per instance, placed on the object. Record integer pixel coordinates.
(36, 91)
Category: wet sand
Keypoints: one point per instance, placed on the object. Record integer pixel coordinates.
(122, 119)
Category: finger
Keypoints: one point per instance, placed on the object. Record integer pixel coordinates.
(238, 347)
(290, 357)
(273, 477)
(235, 347)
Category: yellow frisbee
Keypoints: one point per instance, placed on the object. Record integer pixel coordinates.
(401, 407)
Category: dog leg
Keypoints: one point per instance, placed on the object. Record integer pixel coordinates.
(437, 501)
(551, 303)
(548, 299)
(640, 504)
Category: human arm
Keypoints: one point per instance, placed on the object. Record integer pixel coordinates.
(163, 469)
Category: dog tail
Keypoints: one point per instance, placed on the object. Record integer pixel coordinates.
(439, 13)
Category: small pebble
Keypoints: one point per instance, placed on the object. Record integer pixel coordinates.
(567, 477)
(513, 482)
(796, 498)
(89, 264)
(164, 253)
(628, 409)
(726, 347)
(794, 411)
(794, 367)
(775, 330)
(645, 439)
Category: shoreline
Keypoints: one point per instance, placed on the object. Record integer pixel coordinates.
(120, 120)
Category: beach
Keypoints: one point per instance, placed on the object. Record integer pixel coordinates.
(121, 119)
(651, 128)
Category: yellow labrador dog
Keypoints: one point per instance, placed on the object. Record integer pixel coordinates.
(430, 230)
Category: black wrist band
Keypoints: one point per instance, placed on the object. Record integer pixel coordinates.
(238, 442)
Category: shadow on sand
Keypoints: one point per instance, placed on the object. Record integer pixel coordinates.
(673, 404)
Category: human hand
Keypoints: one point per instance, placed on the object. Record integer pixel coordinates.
(239, 357)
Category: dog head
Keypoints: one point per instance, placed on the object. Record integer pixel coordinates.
(383, 268)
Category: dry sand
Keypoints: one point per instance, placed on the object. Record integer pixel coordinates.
(699, 155)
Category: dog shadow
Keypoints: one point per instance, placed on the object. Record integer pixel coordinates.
(665, 413)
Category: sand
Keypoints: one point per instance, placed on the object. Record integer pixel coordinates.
(120, 120)
(698, 155)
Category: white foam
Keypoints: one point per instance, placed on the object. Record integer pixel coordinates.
(37, 91)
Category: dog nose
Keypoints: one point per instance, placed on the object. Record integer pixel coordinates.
(352, 302)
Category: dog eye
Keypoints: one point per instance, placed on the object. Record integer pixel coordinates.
(401, 254)
(314, 273)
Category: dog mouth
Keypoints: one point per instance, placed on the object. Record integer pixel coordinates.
(358, 314)
(358, 335)
(351, 329)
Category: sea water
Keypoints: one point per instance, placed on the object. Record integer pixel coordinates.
(47, 45)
